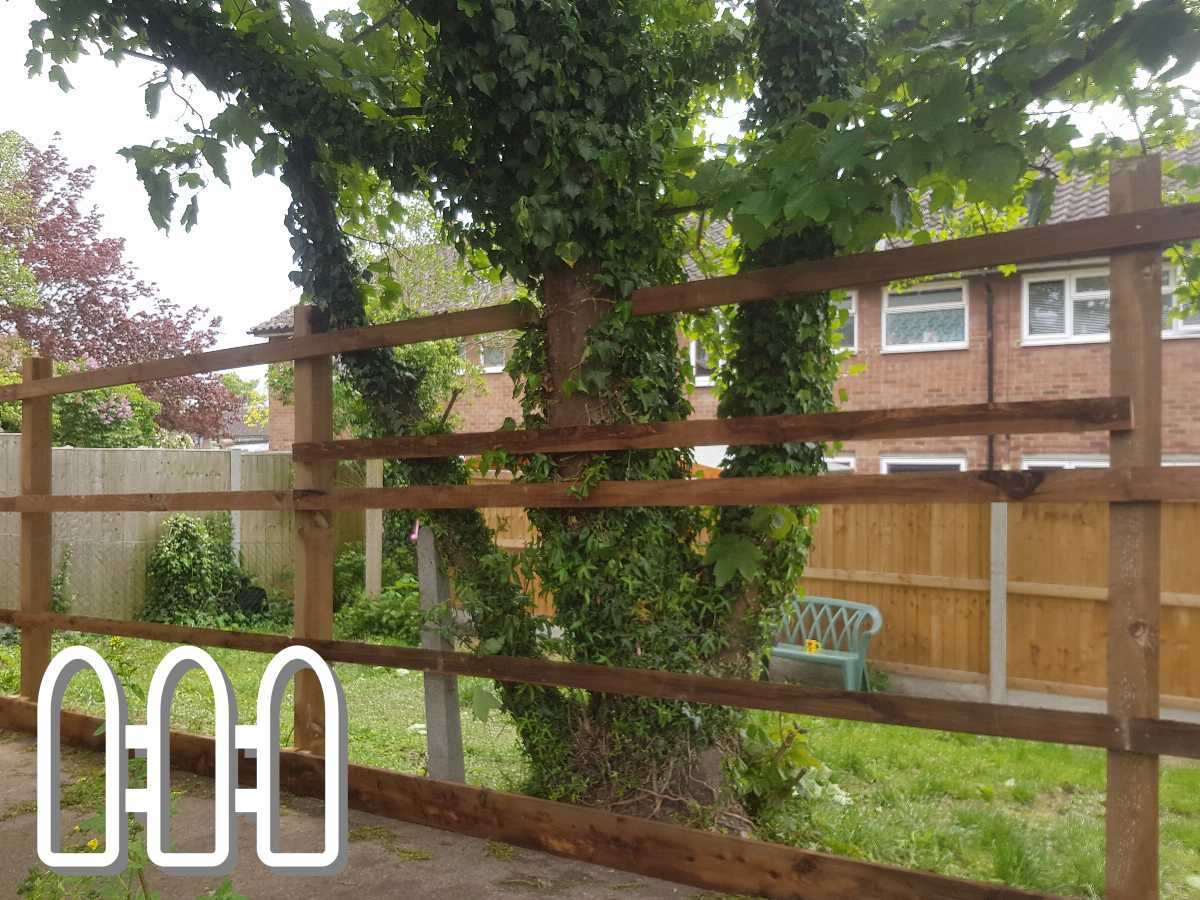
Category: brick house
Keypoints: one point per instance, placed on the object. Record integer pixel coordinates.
(1036, 334)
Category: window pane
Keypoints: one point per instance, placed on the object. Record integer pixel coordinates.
(493, 357)
(847, 330)
(1169, 322)
(924, 298)
(1047, 308)
(937, 326)
(899, 468)
(700, 366)
(1091, 283)
(1091, 315)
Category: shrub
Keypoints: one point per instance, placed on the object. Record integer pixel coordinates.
(350, 572)
(193, 574)
(180, 577)
(394, 617)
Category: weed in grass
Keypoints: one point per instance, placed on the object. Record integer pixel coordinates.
(24, 808)
(503, 852)
(386, 838)
(535, 884)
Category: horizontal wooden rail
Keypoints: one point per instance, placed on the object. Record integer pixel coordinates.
(1098, 593)
(1087, 237)
(703, 859)
(394, 334)
(1079, 485)
(1080, 238)
(1028, 417)
(997, 720)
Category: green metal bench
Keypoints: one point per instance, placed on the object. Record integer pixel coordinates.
(842, 628)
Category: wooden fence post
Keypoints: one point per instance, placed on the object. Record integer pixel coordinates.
(1134, 539)
(373, 534)
(443, 722)
(37, 536)
(313, 397)
(998, 607)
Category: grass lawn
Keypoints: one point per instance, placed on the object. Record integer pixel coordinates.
(1030, 815)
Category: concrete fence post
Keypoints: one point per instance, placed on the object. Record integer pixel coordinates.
(373, 536)
(998, 607)
(443, 724)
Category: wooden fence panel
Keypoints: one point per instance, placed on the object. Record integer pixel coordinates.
(926, 568)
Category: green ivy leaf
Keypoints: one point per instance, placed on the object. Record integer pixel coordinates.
(506, 19)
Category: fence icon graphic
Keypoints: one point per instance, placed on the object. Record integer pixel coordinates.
(260, 740)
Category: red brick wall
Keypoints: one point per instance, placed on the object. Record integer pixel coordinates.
(486, 409)
(281, 419)
(900, 379)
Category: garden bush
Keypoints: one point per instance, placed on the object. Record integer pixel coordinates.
(350, 572)
(395, 616)
(194, 577)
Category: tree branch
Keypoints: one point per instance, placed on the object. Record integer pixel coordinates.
(1096, 48)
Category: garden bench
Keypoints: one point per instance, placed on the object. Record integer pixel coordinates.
(842, 630)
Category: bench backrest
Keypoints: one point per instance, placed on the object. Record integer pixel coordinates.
(835, 624)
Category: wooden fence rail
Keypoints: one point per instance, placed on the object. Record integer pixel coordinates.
(1131, 732)
(1110, 485)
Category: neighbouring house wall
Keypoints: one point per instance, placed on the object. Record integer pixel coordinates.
(109, 551)
(281, 418)
(908, 379)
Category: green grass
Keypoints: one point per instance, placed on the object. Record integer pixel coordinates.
(1026, 814)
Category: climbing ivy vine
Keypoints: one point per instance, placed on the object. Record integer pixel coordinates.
(562, 143)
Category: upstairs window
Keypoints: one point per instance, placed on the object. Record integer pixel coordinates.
(928, 317)
(1173, 325)
(1067, 307)
(1074, 307)
(702, 370)
(848, 301)
(493, 358)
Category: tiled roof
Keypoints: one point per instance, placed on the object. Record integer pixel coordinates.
(1081, 198)
(281, 323)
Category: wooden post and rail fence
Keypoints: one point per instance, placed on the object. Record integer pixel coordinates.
(1134, 489)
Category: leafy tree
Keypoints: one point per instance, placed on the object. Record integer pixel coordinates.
(111, 417)
(562, 141)
(79, 299)
(17, 284)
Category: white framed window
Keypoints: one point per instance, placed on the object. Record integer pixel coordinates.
(493, 357)
(1074, 308)
(1040, 463)
(1174, 326)
(702, 371)
(898, 465)
(927, 317)
(848, 300)
(841, 464)
(1183, 460)
(1066, 307)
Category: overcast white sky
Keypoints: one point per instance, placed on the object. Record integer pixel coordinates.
(236, 260)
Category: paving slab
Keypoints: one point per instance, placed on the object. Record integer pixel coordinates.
(386, 858)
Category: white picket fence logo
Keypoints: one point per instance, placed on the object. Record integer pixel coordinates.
(260, 740)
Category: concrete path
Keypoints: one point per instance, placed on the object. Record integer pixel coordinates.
(386, 858)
